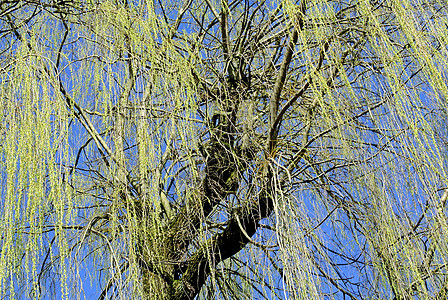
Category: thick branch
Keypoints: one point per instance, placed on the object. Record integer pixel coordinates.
(279, 83)
(222, 246)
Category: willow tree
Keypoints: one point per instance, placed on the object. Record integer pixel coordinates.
(224, 150)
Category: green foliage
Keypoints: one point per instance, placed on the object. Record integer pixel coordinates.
(224, 150)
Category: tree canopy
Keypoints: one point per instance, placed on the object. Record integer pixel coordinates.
(224, 149)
